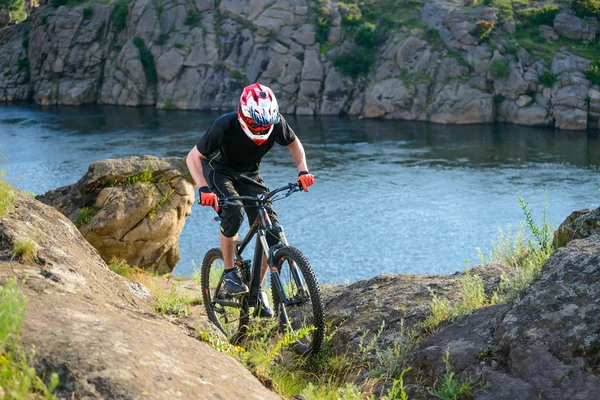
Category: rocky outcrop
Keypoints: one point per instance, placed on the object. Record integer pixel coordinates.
(545, 342)
(97, 330)
(199, 54)
(578, 225)
(132, 209)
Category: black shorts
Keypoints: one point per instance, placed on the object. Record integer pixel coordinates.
(227, 183)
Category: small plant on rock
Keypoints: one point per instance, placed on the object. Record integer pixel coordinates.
(586, 8)
(593, 73)
(23, 250)
(450, 388)
(547, 79)
(499, 68)
(7, 196)
(483, 29)
(85, 215)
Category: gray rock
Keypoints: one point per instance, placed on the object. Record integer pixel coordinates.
(573, 27)
(566, 61)
(570, 118)
(461, 104)
(548, 33)
(312, 69)
(513, 86)
(524, 100)
(335, 93)
(169, 64)
(578, 225)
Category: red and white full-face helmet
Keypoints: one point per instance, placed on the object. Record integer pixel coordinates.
(258, 112)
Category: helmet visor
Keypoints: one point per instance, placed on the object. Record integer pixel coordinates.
(256, 128)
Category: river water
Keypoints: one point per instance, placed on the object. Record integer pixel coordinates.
(389, 197)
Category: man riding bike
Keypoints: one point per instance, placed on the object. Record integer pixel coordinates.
(226, 161)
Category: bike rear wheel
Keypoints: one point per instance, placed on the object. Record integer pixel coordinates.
(229, 313)
(301, 313)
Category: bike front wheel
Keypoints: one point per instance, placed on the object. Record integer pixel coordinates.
(299, 307)
(228, 313)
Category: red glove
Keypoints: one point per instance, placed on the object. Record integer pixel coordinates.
(305, 179)
(208, 198)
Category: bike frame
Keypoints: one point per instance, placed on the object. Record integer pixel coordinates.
(259, 227)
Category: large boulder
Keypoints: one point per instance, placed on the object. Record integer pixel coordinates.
(578, 225)
(131, 208)
(545, 342)
(97, 330)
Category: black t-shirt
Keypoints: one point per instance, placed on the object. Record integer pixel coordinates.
(226, 144)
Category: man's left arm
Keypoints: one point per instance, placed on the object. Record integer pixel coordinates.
(305, 178)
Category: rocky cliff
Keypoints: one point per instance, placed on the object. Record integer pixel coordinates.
(437, 60)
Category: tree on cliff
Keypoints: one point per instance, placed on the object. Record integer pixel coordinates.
(16, 8)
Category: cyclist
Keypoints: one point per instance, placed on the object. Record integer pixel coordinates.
(226, 162)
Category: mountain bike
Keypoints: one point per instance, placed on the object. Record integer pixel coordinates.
(295, 290)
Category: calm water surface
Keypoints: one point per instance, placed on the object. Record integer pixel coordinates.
(389, 197)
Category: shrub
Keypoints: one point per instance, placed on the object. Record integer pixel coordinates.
(483, 29)
(162, 39)
(547, 79)
(366, 35)
(323, 24)
(119, 15)
(23, 250)
(147, 61)
(511, 49)
(586, 8)
(25, 43)
(236, 74)
(354, 64)
(499, 68)
(431, 35)
(539, 16)
(352, 15)
(593, 73)
(191, 18)
(88, 12)
(85, 215)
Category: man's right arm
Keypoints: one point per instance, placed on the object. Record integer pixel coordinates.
(194, 164)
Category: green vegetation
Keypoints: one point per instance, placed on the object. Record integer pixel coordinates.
(586, 8)
(7, 196)
(16, 8)
(158, 206)
(17, 379)
(178, 45)
(25, 43)
(88, 13)
(525, 252)
(547, 79)
(534, 17)
(169, 105)
(192, 18)
(499, 68)
(398, 390)
(356, 63)
(147, 61)
(236, 74)
(162, 39)
(145, 176)
(593, 73)
(85, 215)
(171, 303)
(450, 387)
(121, 267)
(119, 15)
(483, 29)
(23, 250)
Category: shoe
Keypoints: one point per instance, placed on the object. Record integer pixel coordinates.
(263, 310)
(233, 282)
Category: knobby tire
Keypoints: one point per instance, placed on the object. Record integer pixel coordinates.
(298, 316)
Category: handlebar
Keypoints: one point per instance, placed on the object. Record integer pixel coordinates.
(263, 198)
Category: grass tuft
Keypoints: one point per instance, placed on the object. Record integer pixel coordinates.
(450, 388)
(17, 379)
(7, 196)
(85, 215)
(23, 250)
